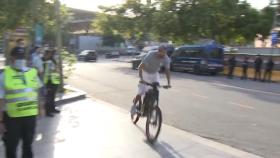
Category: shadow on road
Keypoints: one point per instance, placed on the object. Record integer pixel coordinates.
(162, 148)
(165, 150)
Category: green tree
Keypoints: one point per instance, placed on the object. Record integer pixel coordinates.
(186, 20)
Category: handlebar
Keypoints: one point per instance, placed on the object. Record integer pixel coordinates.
(155, 85)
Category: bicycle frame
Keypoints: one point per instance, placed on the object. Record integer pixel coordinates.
(151, 97)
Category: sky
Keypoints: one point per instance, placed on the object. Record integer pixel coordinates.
(92, 5)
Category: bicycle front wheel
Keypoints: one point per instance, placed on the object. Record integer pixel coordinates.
(153, 124)
(135, 113)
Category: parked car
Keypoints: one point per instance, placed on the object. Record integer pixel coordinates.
(87, 55)
(113, 54)
(131, 51)
(206, 58)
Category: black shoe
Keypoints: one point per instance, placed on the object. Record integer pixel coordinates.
(56, 111)
(49, 115)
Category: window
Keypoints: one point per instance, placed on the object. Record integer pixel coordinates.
(216, 53)
(192, 52)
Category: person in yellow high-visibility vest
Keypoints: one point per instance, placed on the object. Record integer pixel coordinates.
(19, 104)
(51, 81)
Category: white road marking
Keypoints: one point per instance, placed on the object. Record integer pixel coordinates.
(246, 89)
(200, 96)
(242, 105)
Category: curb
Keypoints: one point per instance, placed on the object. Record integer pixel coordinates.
(71, 97)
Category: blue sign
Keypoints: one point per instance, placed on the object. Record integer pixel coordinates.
(274, 38)
(39, 33)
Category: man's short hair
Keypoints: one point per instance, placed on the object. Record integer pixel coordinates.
(19, 40)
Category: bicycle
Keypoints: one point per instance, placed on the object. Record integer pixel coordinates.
(151, 111)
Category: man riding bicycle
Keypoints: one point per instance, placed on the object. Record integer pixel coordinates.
(149, 72)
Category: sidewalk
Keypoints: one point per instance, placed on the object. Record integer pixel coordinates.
(95, 129)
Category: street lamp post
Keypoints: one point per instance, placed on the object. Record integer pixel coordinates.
(59, 42)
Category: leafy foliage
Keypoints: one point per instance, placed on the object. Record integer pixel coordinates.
(185, 20)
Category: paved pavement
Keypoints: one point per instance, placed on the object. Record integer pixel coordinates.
(93, 128)
(242, 114)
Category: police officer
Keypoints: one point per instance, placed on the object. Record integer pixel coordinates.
(245, 66)
(51, 81)
(231, 66)
(19, 105)
(268, 70)
(258, 67)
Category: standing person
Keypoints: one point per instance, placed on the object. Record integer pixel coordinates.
(231, 66)
(51, 80)
(19, 106)
(37, 62)
(258, 67)
(268, 70)
(245, 65)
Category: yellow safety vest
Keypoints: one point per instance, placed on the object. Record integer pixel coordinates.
(21, 92)
(54, 77)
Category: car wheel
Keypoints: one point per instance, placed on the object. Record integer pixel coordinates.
(213, 73)
(172, 68)
(197, 70)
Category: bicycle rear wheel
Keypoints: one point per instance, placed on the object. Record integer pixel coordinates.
(153, 124)
(135, 113)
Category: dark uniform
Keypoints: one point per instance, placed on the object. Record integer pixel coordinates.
(245, 65)
(268, 70)
(51, 81)
(258, 67)
(231, 66)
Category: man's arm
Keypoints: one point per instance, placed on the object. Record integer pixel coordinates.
(167, 73)
(2, 125)
(140, 70)
(167, 63)
(2, 94)
(1, 110)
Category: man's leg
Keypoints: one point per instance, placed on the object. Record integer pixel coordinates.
(243, 74)
(269, 75)
(29, 124)
(264, 75)
(230, 72)
(138, 99)
(53, 89)
(48, 98)
(11, 136)
(258, 75)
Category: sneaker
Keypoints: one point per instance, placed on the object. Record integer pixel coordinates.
(56, 111)
(49, 115)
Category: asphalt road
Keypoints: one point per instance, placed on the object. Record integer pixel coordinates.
(243, 114)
